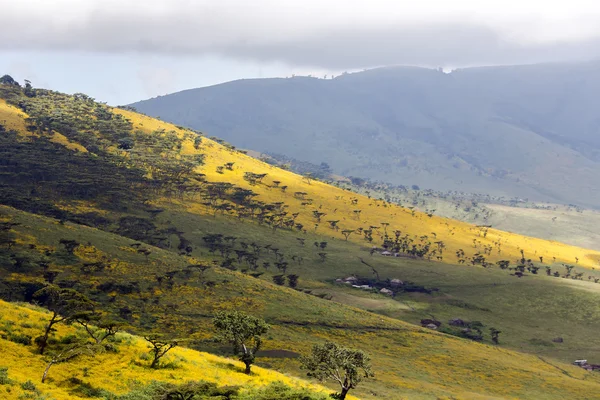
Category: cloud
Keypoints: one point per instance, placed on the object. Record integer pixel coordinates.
(334, 34)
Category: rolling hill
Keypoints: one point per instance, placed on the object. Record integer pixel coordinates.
(521, 131)
(93, 376)
(162, 228)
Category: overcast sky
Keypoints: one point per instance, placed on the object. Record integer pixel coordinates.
(121, 51)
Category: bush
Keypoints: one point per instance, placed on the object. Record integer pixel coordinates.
(189, 390)
(144, 392)
(29, 386)
(280, 391)
(68, 339)
(84, 389)
(4, 379)
(20, 338)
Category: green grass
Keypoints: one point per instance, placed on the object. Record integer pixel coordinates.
(565, 224)
(535, 306)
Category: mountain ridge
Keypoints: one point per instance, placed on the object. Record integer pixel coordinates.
(487, 129)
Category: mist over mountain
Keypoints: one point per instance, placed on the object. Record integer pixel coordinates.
(527, 131)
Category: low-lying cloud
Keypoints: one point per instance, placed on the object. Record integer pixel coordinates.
(335, 35)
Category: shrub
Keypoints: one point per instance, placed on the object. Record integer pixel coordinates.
(68, 339)
(189, 390)
(29, 386)
(4, 379)
(20, 338)
(280, 391)
(84, 389)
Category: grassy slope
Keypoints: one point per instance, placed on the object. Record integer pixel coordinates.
(563, 223)
(410, 361)
(301, 320)
(118, 373)
(535, 307)
(337, 205)
(570, 226)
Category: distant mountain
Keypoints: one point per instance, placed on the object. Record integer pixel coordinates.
(527, 131)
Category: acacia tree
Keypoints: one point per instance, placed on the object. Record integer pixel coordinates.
(66, 305)
(8, 80)
(279, 280)
(495, 333)
(70, 245)
(66, 354)
(330, 361)
(159, 347)
(293, 280)
(243, 332)
(104, 329)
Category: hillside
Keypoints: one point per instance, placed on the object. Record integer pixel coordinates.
(562, 223)
(163, 227)
(94, 376)
(183, 307)
(520, 131)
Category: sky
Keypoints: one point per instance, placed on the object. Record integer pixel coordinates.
(121, 51)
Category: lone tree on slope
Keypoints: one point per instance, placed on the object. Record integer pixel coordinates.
(243, 332)
(495, 333)
(159, 347)
(345, 366)
(65, 305)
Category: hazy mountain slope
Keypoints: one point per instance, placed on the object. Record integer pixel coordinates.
(516, 131)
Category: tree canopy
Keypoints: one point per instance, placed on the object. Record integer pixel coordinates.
(243, 332)
(8, 80)
(345, 366)
(65, 304)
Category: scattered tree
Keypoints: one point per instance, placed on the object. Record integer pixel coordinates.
(279, 280)
(158, 348)
(347, 233)
(243, 332)
(68, 353)
(70, 245)
(345, 366)
(104, 329)
(495, 333)
(292, 280)
(65, 305)
(8, 80)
